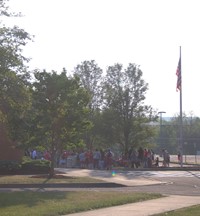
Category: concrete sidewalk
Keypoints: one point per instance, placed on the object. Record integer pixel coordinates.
(107, 176)
(145, 208)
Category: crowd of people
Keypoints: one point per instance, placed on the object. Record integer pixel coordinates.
(99, 159)
(34, 154)
(145, 158)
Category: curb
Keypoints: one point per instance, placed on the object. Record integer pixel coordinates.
(163, 169)
(64, 185)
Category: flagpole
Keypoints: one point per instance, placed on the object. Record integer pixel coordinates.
(181, 117)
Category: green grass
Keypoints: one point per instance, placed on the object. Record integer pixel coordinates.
(60, 203)
(25, 179)
(190, 211)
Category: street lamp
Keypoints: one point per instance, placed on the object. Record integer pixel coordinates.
(161, 112)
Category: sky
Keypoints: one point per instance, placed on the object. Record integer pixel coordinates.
(148, 33)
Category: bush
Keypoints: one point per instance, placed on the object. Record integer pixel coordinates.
(9, 166)
(28, 166)
(38, 166)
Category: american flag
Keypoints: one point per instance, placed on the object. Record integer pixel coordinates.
(178, 73)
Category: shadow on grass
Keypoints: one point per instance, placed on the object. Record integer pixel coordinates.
(29, 198)
(47, 178)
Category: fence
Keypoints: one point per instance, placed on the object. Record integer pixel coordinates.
(189, 159)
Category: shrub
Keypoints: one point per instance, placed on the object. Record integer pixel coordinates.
(9, 166)
(35, 165)
(28, 166)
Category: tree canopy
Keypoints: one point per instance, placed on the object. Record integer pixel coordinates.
(15, 98)
(124, 95)
(60, 111)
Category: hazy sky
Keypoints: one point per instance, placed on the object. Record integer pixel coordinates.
(145, 32)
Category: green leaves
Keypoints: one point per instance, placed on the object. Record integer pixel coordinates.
(60, 104)
(15, 100)
(124, 95)
(12, 40)
(90, 75)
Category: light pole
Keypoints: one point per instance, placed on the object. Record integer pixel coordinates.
(161, 112)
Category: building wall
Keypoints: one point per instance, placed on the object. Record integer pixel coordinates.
(8, 150)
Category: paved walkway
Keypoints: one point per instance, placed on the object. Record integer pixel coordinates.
(118, 177)
(145, 208)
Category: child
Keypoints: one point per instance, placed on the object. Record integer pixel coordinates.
(156, 162)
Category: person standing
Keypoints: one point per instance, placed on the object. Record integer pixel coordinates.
(140, 156)
(96, 158)
(166, 158)
(109, 159)
(134, 159)
(34, 154)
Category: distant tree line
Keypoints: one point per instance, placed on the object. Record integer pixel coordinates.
(168, 137)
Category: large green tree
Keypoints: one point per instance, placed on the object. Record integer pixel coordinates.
(124, 108)
(91, 77)
(60, 107)
(15, 98)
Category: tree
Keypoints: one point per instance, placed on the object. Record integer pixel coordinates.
(60, 106)
(90, 77)
(15, 98)
(12, 40)
(124, 95)
(15, 101)
(4, 9)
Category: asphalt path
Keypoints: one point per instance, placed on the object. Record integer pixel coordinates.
(174, 186)
(185, 183)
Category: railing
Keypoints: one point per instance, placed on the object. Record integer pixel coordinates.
(187, 159)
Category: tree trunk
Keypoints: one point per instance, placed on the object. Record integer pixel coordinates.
(51, 172)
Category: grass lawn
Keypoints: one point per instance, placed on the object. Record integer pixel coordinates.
(190, 211)
(61, 203)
